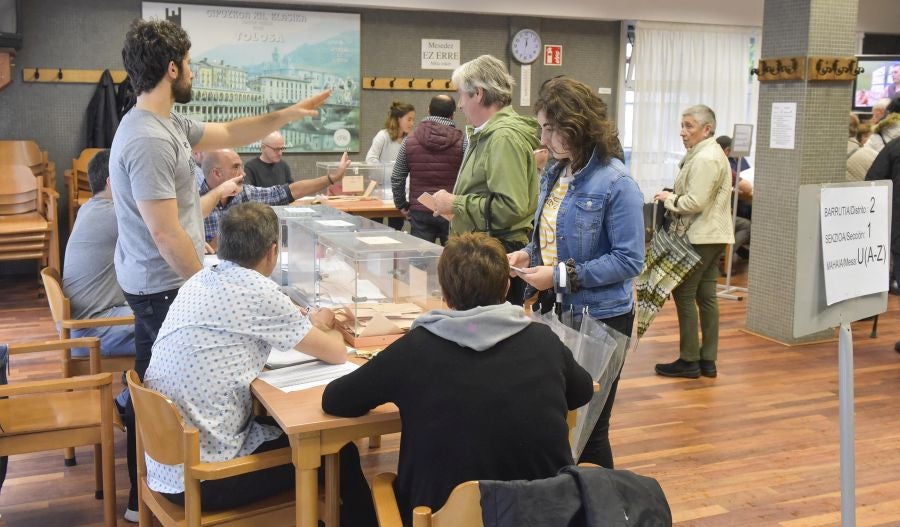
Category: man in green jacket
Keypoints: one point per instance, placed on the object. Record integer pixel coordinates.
(499, 161)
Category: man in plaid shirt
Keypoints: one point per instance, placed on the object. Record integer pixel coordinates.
(220, 188)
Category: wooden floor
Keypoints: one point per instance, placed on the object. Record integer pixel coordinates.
(756, 446)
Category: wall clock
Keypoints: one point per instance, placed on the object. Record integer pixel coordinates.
(526, 46)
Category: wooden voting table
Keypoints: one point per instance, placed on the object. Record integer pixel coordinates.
(367, 208)
(312, 434)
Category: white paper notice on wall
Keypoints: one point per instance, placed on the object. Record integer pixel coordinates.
(440, 54)
(783, 125)
(525, 86)
(855, 241)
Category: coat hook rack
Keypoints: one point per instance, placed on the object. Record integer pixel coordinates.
(60, 75)
(407, 84)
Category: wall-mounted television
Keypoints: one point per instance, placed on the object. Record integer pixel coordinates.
(880, 79)
(10, 24)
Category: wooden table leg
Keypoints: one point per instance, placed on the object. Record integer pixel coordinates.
(306, 451)
(332, 490)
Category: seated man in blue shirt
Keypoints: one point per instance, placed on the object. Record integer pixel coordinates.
(221, 166)
(89, 277)
(213, 343)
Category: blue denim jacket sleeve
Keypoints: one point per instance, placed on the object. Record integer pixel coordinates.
(625, 229)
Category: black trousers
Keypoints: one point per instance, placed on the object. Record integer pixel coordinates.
(428, 227)
(598, 450)
(149, 313)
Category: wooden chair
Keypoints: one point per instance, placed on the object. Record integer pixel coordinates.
(28, 153)
(162, 435)
(28, 225)
(77, 182)
(61, 310)
(58, 413)
(463, 506)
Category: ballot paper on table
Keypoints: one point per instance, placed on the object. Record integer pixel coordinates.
(281, 359)
(306, 375)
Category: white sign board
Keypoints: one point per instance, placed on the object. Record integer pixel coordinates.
(440, 54)
(525, 86)
(783, 125)
(855, 241)
(741, 140)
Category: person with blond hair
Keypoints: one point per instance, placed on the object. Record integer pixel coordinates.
(497, 187)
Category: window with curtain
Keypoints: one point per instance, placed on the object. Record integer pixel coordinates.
(677, 66)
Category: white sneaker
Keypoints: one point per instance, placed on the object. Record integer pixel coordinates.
(131, 516)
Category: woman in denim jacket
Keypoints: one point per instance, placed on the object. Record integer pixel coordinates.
(589, 216)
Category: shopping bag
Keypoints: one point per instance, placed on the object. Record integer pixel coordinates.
(601, 351)
(597, 348)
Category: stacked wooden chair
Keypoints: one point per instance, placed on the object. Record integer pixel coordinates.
(29, 228)
(77, 182)
(29, 154)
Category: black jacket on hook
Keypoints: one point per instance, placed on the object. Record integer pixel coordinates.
(102, 114)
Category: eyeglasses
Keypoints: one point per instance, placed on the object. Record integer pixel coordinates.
(277, 149)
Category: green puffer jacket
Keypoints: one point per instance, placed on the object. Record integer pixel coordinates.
(499, 161)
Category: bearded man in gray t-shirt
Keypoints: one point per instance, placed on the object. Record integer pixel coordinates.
(152, 177)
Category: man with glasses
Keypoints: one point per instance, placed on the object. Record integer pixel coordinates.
(269, 169)
(220, 188)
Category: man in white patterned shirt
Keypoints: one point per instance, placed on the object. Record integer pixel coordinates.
(215, 341)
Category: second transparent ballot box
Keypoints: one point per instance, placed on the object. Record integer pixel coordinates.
(361, 179)
(376, 282)
(303, 235)
(286, 212)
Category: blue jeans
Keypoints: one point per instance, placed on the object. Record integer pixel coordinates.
(115, 341)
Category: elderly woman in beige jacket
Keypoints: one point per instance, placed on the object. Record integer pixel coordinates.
(700, 204)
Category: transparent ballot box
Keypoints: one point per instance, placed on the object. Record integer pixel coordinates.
(303, 235)
(286, 212)
(377, 283)
(362, 179)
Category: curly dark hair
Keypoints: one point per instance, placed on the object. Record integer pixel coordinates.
(579, 116)
(149, 47)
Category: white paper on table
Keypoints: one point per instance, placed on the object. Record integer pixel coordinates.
(377, 240)
(334, 223)
(306, 375)
(280, 359)
(299, 210)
